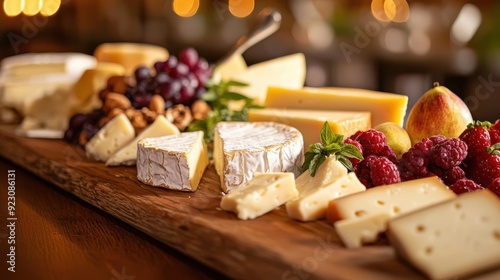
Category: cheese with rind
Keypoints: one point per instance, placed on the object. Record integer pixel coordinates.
(310, 122)
(452, 239)
(110, 138)
(384, 107)
(128, 154)
(243, 148)
(174, 162)
(263, 193)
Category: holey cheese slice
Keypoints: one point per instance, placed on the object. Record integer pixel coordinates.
(312, 204)
(393, 199)
(310, 122)
(243, 148)
(384, 107)
(174, 162)
(260, 195)
(128, 154)
(110, 138)
(452, 239)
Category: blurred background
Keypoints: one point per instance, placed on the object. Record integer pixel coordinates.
(388, 45)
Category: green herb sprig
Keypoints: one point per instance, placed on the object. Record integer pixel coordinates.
(331, 145)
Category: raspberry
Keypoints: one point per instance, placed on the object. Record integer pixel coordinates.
(464, 186)
(495, 186)
(448, 176)
(448, 153)
(436, 139)
(477, 138)
(373, 142)
(413, 164)
(388, 153)
(376, 171)
(384, 172)
(355, 135)
(355, 143)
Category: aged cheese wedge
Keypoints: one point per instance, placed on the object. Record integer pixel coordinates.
(110, 138)
(128, 154)
(395, 199)
(356, 232)
(452, 239)
(243, 148)
(312, 204)
(174, 162)
(263, 193)
(232, 66)
(384, 107)
(130, 55)
(310, 122)
(328, 172)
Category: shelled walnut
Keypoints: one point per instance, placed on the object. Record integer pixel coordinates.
(180, 116)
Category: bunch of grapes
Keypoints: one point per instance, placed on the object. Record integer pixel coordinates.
(178, 80)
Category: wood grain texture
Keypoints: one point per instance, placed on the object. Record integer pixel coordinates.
(61, 237)
(272, 246)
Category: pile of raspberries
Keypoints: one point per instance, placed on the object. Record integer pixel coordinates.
(470, 162)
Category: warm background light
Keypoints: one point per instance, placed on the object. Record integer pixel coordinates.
(13, 8)
(50, 7)
(241, 8)
(186, 8)
(32, 7)
(390, 10)
(46, 8)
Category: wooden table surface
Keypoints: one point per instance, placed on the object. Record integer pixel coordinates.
(52, 244)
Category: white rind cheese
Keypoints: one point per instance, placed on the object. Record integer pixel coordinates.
(356, 232)
(110, 138)
(242, 149)
(452, 239)
(313, 203)
(174, 162)
(128, 154)
(262, 194)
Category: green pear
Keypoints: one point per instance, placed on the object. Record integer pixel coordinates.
(397, 137)
(438, 112)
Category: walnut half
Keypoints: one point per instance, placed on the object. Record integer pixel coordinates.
(179, 115)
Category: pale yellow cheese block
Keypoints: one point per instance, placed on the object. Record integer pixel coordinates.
(384, 107)
(453, 239)
(130, 55)
(263, 193)
(356, 232)
(310, 122)
(232, 66)
(328, 172)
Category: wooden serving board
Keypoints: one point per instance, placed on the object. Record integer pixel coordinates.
(270, 247)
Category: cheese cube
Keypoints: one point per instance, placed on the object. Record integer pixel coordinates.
(310, 122)
(384, 107)
(110, 138)
(260, 195)
(452, 239)
(392, 199)
(356, 232)
(128, 154)
(328, 172)
(312, 204)
(174, 162)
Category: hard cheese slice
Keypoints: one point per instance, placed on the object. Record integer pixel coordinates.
(310, 122)
(243, 148)
(312, 204)
(384, 107)
(128, 154)
(174, 162)
(260, 195)
(356, 232)
(452, 239)
(110, 138)
(130, 55)
(395, 199)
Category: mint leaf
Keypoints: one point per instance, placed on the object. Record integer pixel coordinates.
(235, 84)
(346, 163)
(230, 95)
(317, 160)
(307, 161)
(316, 148)
(326, 134)
(351, 151)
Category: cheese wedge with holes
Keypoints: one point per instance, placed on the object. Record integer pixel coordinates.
(452, 239)
(313, 203)
(128, 154)
(130, 55)
(328, 172)
(174, 162)
(384, 107)
(263, 193)
(310, 122)
(395, 199)
(356, 232)
(242, 149)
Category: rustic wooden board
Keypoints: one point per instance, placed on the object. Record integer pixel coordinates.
(271, 247)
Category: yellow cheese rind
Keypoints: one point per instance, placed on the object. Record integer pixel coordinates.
(312, 204)
(310, 122)
(384, 107)
(263, 193)
(356, 232)
(130, 55)
(395, 199)
(453, 239)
